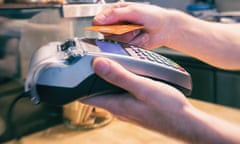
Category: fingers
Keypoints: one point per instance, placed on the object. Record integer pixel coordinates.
(115, 103)
(137, 37)
(141, 40)
(116, 13)
(125, 38)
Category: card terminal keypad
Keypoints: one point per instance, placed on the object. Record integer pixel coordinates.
(153, 57)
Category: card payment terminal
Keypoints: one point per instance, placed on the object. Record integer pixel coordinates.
(61, 72)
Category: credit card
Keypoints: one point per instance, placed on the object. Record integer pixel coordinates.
(114, 29)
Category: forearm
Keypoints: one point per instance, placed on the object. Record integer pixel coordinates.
(159, 107)
(204, 128)
(194, 126)
(214, 43)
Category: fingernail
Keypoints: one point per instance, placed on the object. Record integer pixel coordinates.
(101, 66)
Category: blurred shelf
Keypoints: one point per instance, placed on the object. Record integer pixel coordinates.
(29, 5)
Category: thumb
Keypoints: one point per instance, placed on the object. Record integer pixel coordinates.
(114, 73)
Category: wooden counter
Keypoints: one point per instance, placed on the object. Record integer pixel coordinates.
(118, 132)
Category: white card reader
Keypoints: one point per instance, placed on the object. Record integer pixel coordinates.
(61, 72)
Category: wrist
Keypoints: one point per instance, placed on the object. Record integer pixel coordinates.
(179, 25)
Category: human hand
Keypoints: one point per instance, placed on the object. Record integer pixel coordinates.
(151, 104)
(158, 24)
(158, 106)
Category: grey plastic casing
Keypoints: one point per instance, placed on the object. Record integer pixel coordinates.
(61, 72)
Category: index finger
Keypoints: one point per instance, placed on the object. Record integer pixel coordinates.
(117, 13)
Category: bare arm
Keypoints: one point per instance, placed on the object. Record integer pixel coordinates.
(159, 107)
(214, 43)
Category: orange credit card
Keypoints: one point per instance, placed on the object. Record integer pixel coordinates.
(114, 29)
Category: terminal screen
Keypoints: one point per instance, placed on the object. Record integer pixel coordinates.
(111, 47)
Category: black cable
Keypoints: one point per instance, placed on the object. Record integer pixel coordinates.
(10, 123)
